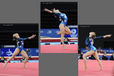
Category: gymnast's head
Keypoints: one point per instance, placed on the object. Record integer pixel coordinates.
(92, 34)
(16, 35)
(56, 10)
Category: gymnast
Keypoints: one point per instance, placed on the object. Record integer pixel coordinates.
(62, 26)
(92, 49)
(19, 48)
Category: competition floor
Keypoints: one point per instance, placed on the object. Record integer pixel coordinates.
(71, 48)
(93, 68)
(16, 67)
(53, 45)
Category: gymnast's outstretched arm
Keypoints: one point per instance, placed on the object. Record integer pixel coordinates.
(47, 10)
(105, 36)
(31, 37)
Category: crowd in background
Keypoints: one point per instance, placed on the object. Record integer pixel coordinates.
(102, 55)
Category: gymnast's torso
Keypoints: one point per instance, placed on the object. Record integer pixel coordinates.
(63, 18)
(20, 43)
(90, 42)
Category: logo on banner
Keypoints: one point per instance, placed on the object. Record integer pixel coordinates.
(49, 32)
(36, 50)
(9, 52)
(2, 52)
(74, 33)
(41, 31)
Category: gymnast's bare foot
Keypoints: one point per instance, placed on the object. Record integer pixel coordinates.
(5, 65)
(64, 46)
(101, 69)
(85, 68)
(58, 33)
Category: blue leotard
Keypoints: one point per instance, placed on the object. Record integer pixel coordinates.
(20, 43)
(90, 41)
(63, 18)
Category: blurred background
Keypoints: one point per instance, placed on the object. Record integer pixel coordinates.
(50, 21)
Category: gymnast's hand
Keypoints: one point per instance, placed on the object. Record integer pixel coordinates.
(33, 36)
(105, 36)
(47, 10)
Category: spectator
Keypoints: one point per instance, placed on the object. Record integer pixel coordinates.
(81, 55)
(79, 51)
(2, 60)
(104, 57)
(92, 57)
(112, 57)
(65, 41)
(99, 50)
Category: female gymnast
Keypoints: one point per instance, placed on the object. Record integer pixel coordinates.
(92, 50)
(62, 26)
(19, 49)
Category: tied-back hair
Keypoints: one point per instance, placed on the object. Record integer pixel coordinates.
(93, 37)
(14, 39)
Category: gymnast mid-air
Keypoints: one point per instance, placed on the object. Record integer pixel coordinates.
(62, 26)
